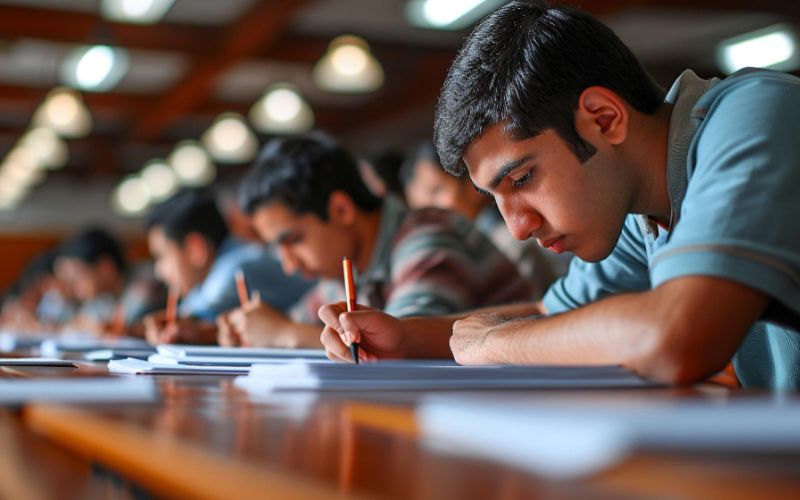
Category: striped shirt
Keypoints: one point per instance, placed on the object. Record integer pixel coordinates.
(426, 262)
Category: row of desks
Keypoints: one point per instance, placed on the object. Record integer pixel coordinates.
(207, 439)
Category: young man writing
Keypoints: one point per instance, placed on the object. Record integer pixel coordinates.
(672, 202)
(196, 256)
(307, 199)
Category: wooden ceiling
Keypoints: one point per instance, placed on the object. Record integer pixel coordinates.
(133, 125)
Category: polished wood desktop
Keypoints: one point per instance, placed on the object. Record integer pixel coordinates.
(207, 439)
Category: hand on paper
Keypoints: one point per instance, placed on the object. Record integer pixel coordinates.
(469, 341)
(260, 325)
(379, 334)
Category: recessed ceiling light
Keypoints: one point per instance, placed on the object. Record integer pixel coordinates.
(774, 47)
(448, 14)
(135, 11)
(94, 68)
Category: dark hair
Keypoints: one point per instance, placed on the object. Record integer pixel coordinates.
(191, 210)
(527, 64)
(387, 163)
(91, 244)
(301, 173)
(424, 152)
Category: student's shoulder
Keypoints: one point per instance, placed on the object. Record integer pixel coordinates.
(750, 85)
(429, 221)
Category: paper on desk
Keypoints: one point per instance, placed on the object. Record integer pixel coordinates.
(245, 361)
(431, 375)
(141, 367)
(106, 390)
(573, 438)
(182, 351)
(109, 354)
(80, 343)
(11, 341)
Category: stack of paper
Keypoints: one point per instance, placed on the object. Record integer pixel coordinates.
(37, 362)
(178, 351)
(133, 366)
(12, 341)
(107, 390)
(421, 375)
(78, 344)
(573, 437)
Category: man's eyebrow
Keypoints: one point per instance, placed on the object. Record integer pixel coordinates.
(507, 168)
(283, 236)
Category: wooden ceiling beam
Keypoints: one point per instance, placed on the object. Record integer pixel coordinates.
(256, 29)
(84, 27)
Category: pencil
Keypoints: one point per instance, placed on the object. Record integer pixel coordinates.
(172, 305)
(350, 291)
(241, 288)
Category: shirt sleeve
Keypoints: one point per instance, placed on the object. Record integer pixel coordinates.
(441, 269)
(625, 270)
(739, 219)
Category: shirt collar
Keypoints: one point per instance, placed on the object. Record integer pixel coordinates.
(392, 214)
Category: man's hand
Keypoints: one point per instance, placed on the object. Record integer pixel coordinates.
(379, 335)
(469, 342)
(259, 324)
(182, 331)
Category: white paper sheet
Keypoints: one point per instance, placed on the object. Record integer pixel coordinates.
(245, 361)
(141, 367)
(578, 437)
(36, 362)
(181, 351)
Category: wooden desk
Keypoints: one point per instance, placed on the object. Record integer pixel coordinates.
(206, 439)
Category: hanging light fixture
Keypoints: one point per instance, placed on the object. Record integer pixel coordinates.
(131, 197)
(229, 140)
(49, 150)
(94, 68)
(448, 14)
(135, 11)
(281, 110)
(160, 179)
(191, 164)
(64, 112)
(774, 47)
(348, 67)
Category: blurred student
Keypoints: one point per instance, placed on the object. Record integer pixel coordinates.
(426, 184)
(92, 267)
(380, 170)
(37, 300)
(196, 255)
(307, 199)
(680, 206)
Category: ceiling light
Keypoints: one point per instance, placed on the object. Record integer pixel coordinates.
(95, 68)
(135, 11)
(448, 14)
(49, 150)
(131, 197)
(161, 180)
(229, 140)
(348, 67)
(64, 112)
(774, 47)
(192, 164)
(282, 110)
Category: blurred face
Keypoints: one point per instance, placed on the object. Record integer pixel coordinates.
(173, 262)
(306, 244)
(81, 280)
(544, 192)
(431, 186)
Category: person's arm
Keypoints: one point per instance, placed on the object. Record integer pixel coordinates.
(680, 332)
(382, 336)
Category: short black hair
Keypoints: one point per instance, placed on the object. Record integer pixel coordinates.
(191, 210)
(423, 152)
(387, 163)
(526, 65)
(92, 244)
(302, 172)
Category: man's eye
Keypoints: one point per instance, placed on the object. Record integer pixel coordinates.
(521, 181)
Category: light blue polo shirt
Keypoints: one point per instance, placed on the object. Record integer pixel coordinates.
(217, 293)
(733, 172)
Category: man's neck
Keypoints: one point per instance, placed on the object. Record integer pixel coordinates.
(366, 229)
(650, 158)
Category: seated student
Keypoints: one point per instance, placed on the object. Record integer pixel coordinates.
(93, 269)
(36, 300)
(306, 197)
(673, 203)
(427, 185)
(196, 256)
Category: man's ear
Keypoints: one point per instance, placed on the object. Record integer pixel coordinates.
(198, 251)
(342, 209)
(602, 115)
